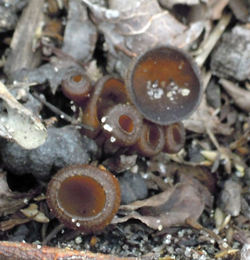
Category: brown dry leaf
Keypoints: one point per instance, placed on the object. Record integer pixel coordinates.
(217, 8)
(240, 96)
(204, 118)
(171, 207)
(230, 198)
(80, 34)
(18, 123)
(240, 8)
(10, 201)
(143, 22)
(204, 192)
(202, 174)
(131, 27)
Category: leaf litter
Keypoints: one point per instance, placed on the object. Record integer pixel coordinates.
(181, 196)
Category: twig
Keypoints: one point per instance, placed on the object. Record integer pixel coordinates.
(213, 39)
(61, 113)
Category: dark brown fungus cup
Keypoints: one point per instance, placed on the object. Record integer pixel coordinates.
(113, 92)
(107, 91)
(175, 137)
(89, 111)
(152, 139)
(164, 84)
(83, 197)
(76, 85)
(122, 124)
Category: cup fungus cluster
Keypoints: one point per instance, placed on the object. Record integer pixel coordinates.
(143, 113)
(162, 87)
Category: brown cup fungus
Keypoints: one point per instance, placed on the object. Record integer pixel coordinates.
(113, 93)
(76, 86)
(175, 136)
(151, 141)
(83, 197)
(164, 84)
(107, 91)
(122, 124)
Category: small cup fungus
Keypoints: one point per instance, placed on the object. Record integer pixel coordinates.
(76, 86)
(107, 91)
(113, 93)
(83, 197)
(175, 136)
(122, 124)
(151, 141)
(164, 84)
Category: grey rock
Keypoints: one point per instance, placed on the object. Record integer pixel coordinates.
(64, 146)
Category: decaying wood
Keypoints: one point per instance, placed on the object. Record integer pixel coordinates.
(23, 251)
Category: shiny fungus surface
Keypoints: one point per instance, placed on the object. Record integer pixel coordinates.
(122, 124)
(84, 197)
(164, 84)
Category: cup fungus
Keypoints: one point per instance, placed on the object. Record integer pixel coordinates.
(76, 86)
(175, 136)
(122, 124)
(113, 93)
(107, 91)
(151, 141)
(83, 197)
(164, 84)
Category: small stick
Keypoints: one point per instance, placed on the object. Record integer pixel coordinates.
(62, 114)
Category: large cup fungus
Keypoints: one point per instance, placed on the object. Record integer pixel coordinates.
(83, 197)
(164, 84)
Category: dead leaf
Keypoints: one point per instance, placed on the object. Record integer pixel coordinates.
(203, 117)
(230, 198)
(80, 34)
(202, 174)
(203, 190)
(240, 96)
(171, 207)
(240, 9)
(137, 27)
(18, 123)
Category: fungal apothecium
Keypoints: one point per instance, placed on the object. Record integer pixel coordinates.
(122, 124)
(76, 85)
(164, 84)
(84, 197)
